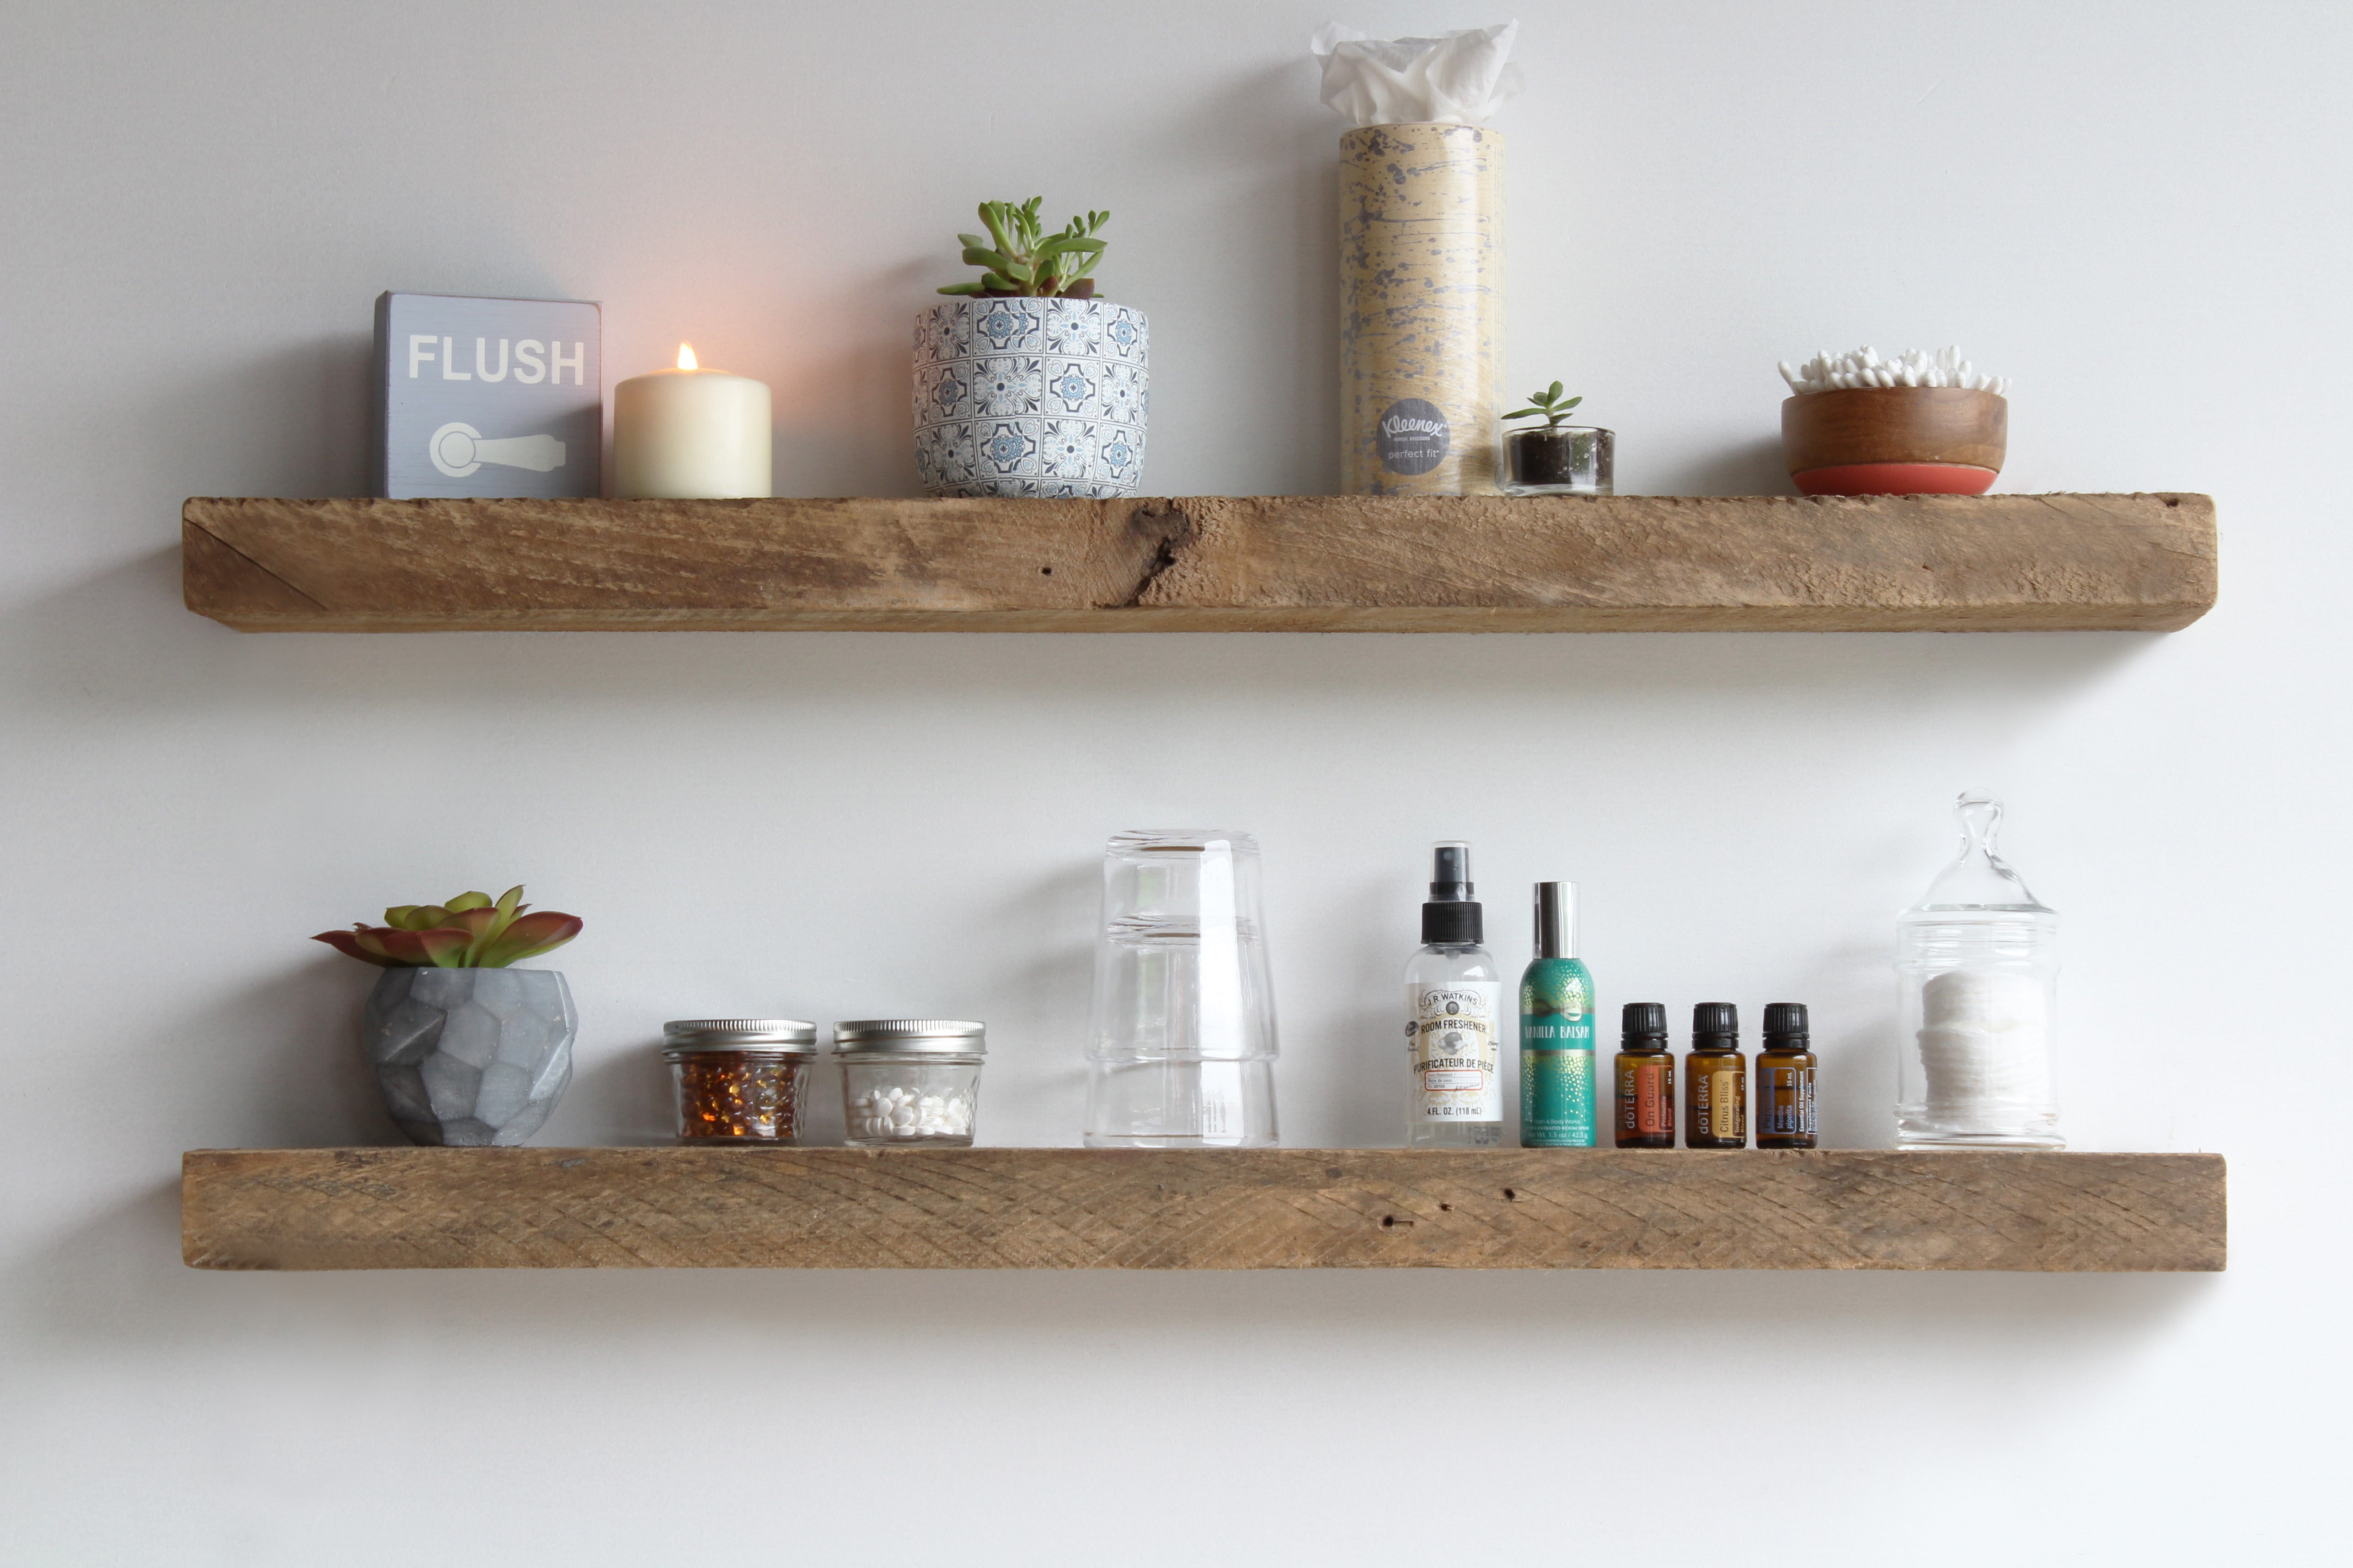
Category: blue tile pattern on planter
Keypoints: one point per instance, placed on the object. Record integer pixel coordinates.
(1030, 397)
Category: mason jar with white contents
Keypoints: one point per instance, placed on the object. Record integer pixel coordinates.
(909, 1080)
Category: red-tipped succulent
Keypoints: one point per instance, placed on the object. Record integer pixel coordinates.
(469, 932)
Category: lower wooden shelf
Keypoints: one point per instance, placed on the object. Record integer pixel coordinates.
(1276, 1208)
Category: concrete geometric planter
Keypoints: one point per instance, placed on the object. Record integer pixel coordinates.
(1030, 397)
(469, 1057)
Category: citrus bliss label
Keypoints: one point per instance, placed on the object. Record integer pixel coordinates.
(1724, 1107)
(1450, 1034)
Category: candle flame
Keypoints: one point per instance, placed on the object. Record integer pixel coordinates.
(686, 360)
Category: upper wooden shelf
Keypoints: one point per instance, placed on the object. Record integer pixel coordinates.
(1230, 1208)
(1318, 563)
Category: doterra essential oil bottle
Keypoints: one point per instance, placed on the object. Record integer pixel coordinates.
(1715, 1080)
(1556, 1030)
(1646, 1080)
(1785, 1079)
(1453, 1008)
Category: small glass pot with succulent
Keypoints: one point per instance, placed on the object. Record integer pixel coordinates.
(1556, 457)
(466, 1050)
(1027, 383)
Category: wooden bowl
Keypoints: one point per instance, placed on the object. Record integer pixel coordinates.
(1894, 440)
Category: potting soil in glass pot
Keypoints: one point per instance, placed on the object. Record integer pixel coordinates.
(1562, 460)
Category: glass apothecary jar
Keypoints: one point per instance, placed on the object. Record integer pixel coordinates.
(740, 1080)
(910, 1080)
(1566, 460)
(1976, 965)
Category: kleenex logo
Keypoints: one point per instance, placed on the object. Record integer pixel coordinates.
(1414, 436)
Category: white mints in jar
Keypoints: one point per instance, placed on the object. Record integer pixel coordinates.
(910, 1080)
(1827, 371)
(900, 1113)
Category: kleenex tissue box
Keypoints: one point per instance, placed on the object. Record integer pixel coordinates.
(487, 397)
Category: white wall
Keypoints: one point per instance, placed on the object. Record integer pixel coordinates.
(2136, 209)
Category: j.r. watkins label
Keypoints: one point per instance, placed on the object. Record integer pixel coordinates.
(1450, 1033)
(487, 397)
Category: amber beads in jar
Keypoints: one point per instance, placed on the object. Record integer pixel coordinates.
(740, 1080)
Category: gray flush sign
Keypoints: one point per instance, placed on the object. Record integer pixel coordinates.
(487, 397)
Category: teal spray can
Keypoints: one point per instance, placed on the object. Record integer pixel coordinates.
(1557, 1098)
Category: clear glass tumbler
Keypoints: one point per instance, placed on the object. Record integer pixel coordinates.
(1182, 1046)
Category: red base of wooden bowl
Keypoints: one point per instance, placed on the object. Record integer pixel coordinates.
(1898, 479)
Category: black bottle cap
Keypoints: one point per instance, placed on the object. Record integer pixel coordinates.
(1645, 1022)
(1715, 1024)
(1452, 916)
(1785, 1025)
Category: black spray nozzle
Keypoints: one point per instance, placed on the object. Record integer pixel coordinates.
(1449, 872)
(1450, 916)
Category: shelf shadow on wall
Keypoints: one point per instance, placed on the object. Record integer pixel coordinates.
(116, 1282)
(123, 641)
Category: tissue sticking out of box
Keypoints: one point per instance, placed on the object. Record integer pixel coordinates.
(1827, 371)
(1458, 79)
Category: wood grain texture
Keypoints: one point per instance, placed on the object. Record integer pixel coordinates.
(1290, 1208)
(2059, 562)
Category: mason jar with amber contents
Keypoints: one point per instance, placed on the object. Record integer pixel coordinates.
(740, 1080)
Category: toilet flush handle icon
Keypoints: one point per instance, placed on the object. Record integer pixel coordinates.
(459, 449)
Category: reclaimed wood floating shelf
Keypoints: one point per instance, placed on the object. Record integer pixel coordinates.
(1221, 563)
(1276, 1208)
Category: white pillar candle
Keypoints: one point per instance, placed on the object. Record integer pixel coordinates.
(691, 433)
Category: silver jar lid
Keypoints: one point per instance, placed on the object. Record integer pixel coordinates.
(936, 1036)
(771, 1036)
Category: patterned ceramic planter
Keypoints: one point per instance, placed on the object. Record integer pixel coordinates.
(1029, 397)
(469, 1057)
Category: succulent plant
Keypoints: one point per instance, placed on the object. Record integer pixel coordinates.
(1019, 258)
(470, 932)
(1548, 407)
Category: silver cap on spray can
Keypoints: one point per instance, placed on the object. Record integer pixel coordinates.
(1555, 921)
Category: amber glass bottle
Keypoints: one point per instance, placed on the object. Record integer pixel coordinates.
(1715, 1080)
(1785, 1079)
(1646, 1080)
